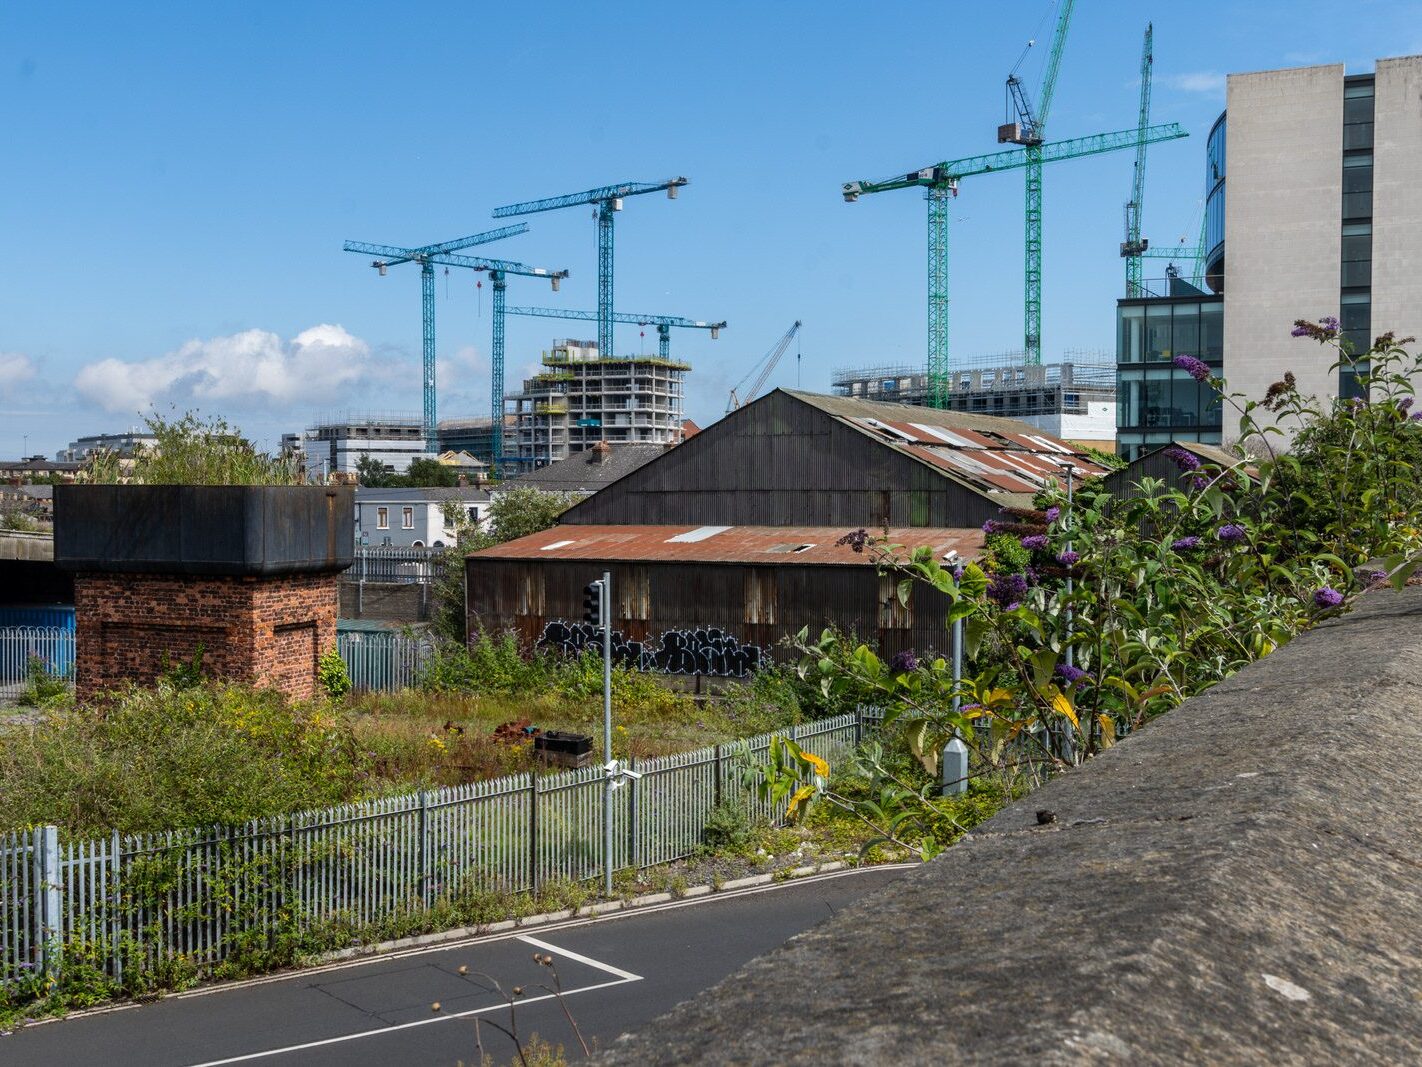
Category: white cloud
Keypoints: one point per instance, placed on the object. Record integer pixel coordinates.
(251, 369)
(15, 367)
(1205, 82)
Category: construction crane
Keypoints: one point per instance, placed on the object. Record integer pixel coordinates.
(1134, 243)
(424, 255)
(1029, 130)
(663, 323)
(609, 201)
(762, 369)
(1183, 252)
(497, 269)
(940, 181)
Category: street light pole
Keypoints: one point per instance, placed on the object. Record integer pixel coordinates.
(609, 780)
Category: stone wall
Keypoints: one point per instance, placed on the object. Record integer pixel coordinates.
(261, 631)
(1236, 883)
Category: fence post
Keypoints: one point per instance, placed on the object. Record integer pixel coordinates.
(632, 784)
(858, 725)
(717, 789)
(116, 907)
(47, 886)
(533, 829)
(425, 873)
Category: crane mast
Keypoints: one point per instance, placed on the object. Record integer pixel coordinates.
(1029, 130)
(763, 369)
(1134, 245)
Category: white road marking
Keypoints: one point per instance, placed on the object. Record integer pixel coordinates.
(265, 1053)
(564, 953)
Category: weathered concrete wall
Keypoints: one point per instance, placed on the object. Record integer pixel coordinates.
(1237, 883)
(1397, 197)
(1284, 188)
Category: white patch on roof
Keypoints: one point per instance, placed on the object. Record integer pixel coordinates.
(1050, 446)
(701, 533)
(555, 544)
(884, 427)
(944, 435)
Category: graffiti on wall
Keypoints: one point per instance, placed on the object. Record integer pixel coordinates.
(705, 650)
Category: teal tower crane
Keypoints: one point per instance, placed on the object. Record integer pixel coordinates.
(663, 323)
(941, 181)
(1134, 244)
(497, 269)
(425, 256)
(608, 201)
(1029, 130)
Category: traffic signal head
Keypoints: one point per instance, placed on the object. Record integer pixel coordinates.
(592, 604)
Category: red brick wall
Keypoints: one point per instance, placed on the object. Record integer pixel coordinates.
(261, 631)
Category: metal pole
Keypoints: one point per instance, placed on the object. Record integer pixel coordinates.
(608, 781)
(954, 770)
(1070, 654)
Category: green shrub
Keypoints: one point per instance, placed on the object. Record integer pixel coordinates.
(174, 757)
(42, 686)
(729, 829)
(332, 674)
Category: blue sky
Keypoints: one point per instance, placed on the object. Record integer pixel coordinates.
(179, 178)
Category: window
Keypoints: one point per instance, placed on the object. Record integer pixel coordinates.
(382, 518)
(1357, 254)
(407, 518)
(1157, 335)
(1358, 186)
(1212, 332)
(1129, 347)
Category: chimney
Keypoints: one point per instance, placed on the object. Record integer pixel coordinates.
(463, 481)
(601, 451)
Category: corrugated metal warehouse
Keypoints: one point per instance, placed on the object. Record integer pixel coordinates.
(710, 599)
(793, 458)
(728, 541)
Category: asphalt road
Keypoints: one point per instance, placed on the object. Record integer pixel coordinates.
(617, 973)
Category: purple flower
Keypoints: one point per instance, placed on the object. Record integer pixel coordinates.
(1199, 482)
(1416, 416)
(1196, 368)
(1325, 329)
(1328, 322)
(1231, 531)
(855, 539)
(1186, 461)
(1372, 577)
(1007, 590)
(904, 661)
(1405, 403)
(1053, 512)
(1069, 558)
(1035, 542)
(1301, 331)
(1071, 674)
(958, 572)
(1328, 597)
(991, 526)
(1185, 544)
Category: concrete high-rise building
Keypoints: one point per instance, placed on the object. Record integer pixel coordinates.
(581, 398)
(339, 444)
(1313, 209)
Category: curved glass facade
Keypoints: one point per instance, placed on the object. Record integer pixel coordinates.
(1215, 206)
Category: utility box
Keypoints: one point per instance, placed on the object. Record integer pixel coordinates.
(561, 748)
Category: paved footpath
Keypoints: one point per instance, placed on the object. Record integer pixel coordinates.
(618, 972)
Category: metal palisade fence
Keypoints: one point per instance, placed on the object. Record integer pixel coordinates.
(404, 565)
(51, 646)
(376, 659)
(201, 897)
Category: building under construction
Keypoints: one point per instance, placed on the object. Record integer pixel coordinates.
(580, 398)
(1074, 400)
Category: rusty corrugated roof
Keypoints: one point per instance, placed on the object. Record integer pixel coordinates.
(803, 545)
(992, 454)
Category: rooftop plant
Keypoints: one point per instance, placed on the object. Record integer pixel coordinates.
(190, 450)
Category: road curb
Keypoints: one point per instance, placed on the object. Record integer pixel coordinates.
(606, 907)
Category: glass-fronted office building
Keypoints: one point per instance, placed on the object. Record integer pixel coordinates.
(1157, 402)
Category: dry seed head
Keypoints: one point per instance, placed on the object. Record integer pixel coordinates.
(463, 969)
(434, 1006)
(518, 990)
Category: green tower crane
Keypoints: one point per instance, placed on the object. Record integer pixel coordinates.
(1134, 244)
(940, 181)
(1029, 130)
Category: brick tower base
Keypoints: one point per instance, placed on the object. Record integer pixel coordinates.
(263, 631)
